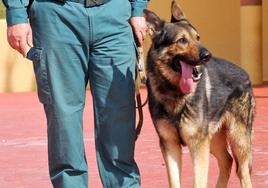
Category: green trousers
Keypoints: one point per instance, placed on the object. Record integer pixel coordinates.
(74, 45)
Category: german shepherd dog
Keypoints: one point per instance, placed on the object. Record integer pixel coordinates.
(197, 100)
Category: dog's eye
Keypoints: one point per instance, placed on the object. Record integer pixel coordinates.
(198, 37)
(182, 40)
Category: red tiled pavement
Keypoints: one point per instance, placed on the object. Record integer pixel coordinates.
(23, 158)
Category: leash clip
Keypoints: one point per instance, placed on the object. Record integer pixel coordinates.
(140, 65)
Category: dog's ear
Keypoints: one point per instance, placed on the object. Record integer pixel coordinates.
(154, 23)
(176, 12)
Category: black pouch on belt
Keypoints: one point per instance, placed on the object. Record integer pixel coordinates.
(88, 3)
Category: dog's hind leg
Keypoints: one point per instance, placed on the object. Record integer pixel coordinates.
(218, 148)
(240, 140)
(171, 150)
(199, 150)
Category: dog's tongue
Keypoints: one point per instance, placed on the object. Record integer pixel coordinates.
(186, 81)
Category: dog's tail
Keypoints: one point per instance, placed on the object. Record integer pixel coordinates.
(251, 113)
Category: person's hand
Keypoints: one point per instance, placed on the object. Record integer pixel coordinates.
(139, 27)
(19, 37)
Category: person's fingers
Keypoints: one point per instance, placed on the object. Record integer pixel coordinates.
(139, 38)
(30, 38)
(19, 45)
(20, 37)
(143, 26)
(14, 44)
(143, 33)
(24, 47)
(140, 29)
(140, 34)
(12, 41)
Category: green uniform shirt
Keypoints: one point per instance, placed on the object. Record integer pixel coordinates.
(16, 10)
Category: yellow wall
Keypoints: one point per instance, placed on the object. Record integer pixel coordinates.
(265, 39)
(16, 73)
(218, 23)
(251, 42)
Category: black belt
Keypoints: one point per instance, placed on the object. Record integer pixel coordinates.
(87, 3)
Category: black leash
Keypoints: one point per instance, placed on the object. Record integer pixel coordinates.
(140, 79)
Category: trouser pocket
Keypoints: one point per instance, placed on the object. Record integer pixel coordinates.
(41, 74)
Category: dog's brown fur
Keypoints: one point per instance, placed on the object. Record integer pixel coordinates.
(216, 114)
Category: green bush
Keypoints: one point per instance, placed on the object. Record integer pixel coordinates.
(2, 10)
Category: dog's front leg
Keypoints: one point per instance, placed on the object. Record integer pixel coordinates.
(200, 155)
(171, 150)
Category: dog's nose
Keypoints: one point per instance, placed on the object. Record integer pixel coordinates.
(205, 55)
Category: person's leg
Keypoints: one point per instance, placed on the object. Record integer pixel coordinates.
(61, 64)
(111, 66)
